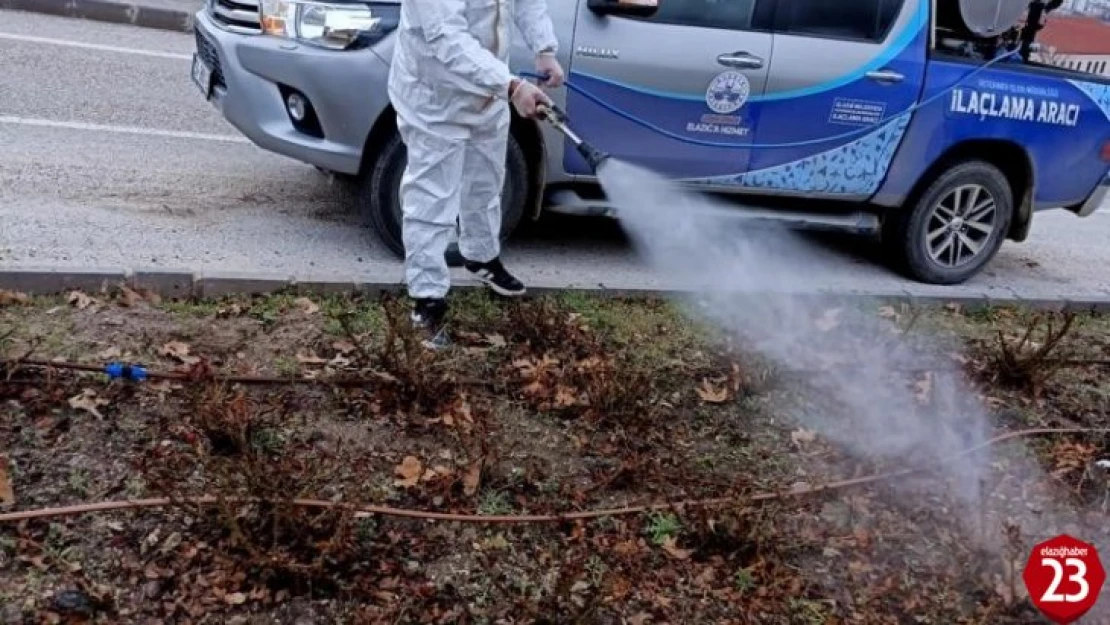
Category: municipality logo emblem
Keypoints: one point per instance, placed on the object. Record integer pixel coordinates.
(727, 92)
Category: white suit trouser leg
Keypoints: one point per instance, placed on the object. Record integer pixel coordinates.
(447, 179)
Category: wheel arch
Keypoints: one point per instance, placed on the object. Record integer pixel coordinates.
(528, 135)
(1009, 157)
(384, 126)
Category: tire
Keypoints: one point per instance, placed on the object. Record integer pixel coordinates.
(379, 197)
(931, 243)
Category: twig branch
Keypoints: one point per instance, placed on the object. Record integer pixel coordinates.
(11, 365)
(539, 518)
(359, 347)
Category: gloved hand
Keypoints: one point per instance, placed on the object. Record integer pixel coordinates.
(547, 65)
(527, 97)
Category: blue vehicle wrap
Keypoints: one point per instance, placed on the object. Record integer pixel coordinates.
(852, 137)
(1014, 106)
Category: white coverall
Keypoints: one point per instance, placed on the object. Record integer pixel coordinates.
(449, 83)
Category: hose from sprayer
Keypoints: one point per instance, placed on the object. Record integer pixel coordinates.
(767, 146)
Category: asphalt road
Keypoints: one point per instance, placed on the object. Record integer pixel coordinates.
(110, 158)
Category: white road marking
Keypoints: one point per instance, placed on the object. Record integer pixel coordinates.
(131, 130)
(95, 46)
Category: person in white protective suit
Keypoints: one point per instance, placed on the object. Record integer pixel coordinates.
(451, 86)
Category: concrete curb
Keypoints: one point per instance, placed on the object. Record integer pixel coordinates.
(175, 20)
(188, 285)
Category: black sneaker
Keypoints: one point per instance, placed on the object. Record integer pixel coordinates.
(496, 277)
(428, 316)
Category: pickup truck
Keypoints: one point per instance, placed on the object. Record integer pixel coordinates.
(929, 124)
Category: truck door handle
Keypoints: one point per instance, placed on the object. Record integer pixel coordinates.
(886, 76)
(741, 60)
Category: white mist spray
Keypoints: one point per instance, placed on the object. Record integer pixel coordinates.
(757, 283)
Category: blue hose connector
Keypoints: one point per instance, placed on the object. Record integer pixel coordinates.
(118, 370)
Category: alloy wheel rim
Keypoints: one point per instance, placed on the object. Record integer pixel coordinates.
(960, 225)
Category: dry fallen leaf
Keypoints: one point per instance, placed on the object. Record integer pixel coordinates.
(1070, 456)
(306, 305)
(736, 377)
(888, 312)
(7, 493)
(232, 310)
(178, 351)
(535, 389)
(472, 478)
(110, 353)
(671, 547)
(129, 298)
(923, 388)
(344, 347)
(712, 394)
(9, 298)
(495, 340)
(495, 543)
(801, 436)
(339, 361)
(235, 598)
(565, 397)
(173, 541)
(829, 320)
(80, 300)
(309, 358)
(89, 402)
(408, 472)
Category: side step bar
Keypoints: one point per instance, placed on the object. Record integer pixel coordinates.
(569, 202)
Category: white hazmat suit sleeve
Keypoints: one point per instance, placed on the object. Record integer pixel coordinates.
(535, 25)
(447, 34)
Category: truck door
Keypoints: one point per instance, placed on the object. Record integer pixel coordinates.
(689, 69)
(841, 71)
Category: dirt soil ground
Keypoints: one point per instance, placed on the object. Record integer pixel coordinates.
(546, 406)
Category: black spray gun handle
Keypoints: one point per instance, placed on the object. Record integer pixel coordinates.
(552, 114)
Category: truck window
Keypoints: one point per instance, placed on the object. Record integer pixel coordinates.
(726, 14)
(863, 20)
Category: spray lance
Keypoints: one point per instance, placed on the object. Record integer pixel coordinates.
(555, 116)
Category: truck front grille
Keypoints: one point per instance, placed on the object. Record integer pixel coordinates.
(211, 57)
(241, 16)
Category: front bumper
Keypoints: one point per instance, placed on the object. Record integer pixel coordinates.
(1100, 196)
(346, 89)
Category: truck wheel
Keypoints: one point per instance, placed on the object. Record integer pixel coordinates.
(379, 197)
(956, 226)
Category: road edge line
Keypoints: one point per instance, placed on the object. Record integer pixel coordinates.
(214, 285)
(107, 11)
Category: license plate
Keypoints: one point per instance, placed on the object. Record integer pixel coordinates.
(202, 76)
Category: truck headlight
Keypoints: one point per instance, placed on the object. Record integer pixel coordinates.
(338, 26)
